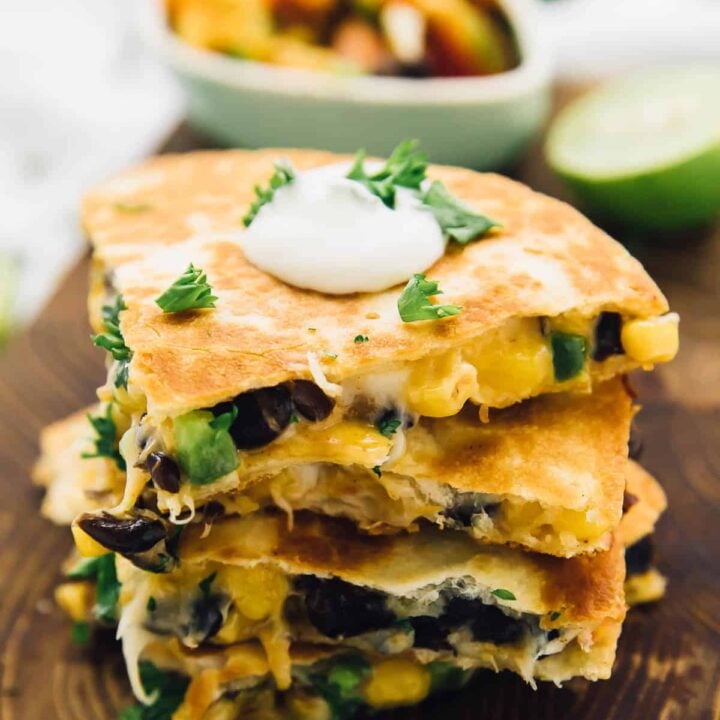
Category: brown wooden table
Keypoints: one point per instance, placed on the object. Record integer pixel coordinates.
(668, 663)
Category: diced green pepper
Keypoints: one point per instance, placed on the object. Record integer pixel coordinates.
(568, 355)
(204, 452)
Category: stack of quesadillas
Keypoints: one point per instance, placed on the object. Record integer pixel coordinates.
(297, 505)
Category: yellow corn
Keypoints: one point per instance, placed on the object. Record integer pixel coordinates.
(397, 681)
(652, 340)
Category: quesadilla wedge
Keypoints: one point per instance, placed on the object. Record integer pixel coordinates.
(547, 474)
(549, 304)
(645, 501)
(432, 595)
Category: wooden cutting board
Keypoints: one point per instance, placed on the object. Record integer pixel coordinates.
(668, 662)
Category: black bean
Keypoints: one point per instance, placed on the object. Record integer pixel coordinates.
(123, 535)
(311, 402)
(430, 632)
(262, 416)
(465, 505)
(164, 472)
(553, 635)
(490, 624)
(607, 336)
(337, 608)
(635, 444)
(639, 556)
(213, 510)
(206, 618)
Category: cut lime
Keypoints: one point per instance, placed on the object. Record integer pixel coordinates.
(644, 151)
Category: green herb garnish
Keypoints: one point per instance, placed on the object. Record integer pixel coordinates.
(413, 304)
(376, 469)
(283, 175)
(568, 355)
(503, 594)
(404, 168)
(388, 425)
(206, 584)
(168, 689)
(294, 419)
(101, 570)
(445, 676)
(340, 684)
(457, 220)
(132, 207)
(151, 604)
(113, 341)
(361, 339)
(106, 444)
(80, 633)
(225, 420)
(555, 614)
(191, 291)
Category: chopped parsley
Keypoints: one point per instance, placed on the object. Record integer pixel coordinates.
(191, 291)
(457, 220)
(294, 418)
(376, 469)
(388, 424)
(101, 570)
(555, 614)
(404, 168)
(113, 341)
(503, 594)
(414, 302)
(132, 207)
(168, 688)
(151, 604)
(340, 684)
(283, 175)
(361, 339)
(106, 444)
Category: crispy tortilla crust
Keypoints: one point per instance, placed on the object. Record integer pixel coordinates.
(588, 589)
(641, 518)
(546, 260)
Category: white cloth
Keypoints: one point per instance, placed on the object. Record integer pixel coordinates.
(80, 97)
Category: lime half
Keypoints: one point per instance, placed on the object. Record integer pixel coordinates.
(644, 151)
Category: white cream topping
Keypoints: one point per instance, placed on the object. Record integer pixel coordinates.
(327, 233)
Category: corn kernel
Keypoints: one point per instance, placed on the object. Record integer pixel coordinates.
(76, 599)
(440, 386)
(257, 592)
(651, 340)
(397, 681)
(512, 364)
(86, 546)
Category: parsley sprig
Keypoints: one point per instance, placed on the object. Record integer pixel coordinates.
(457, 220)
(414, 302)
(113, 341)
(102, 571)
(283, 175)
(405, 167)
(106, 444)
(191, 291)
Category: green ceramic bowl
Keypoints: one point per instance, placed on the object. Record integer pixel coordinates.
(484, 123)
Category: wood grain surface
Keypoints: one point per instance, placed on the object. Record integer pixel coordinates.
(668, 662)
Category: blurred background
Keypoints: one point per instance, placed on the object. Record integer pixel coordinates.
(89, 86)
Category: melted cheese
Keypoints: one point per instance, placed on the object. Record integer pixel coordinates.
(653, 339)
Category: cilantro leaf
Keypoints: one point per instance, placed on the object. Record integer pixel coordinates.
(106, 444)
(170, 688)
(191, 291)
(361, 339)
(457, 220)
(283, 175)
(225, 420)
(101, 570)
(113, 341)
(503, 594)
(388, 424)
(376, 469)
(80, 633)
(340, 683)
(404, 168)
(413, 304)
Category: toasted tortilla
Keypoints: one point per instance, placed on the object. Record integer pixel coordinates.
(148, 223)
(556, 462)
(639, 521)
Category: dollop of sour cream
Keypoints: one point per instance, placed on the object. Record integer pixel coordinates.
(327, 233)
